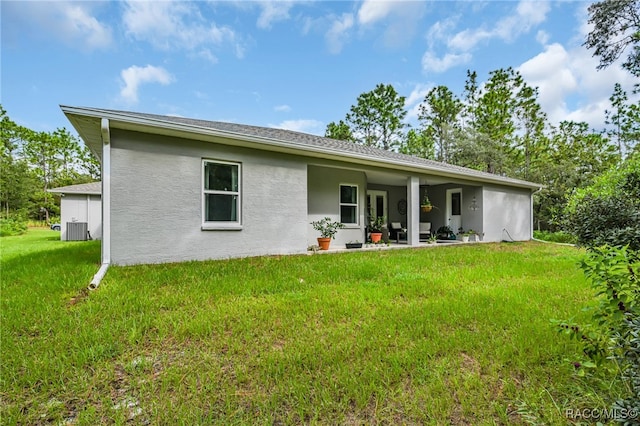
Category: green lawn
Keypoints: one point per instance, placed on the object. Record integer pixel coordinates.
(447, 335)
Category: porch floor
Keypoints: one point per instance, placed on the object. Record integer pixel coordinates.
(335, 248)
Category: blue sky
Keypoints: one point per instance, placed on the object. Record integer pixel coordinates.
(291, 64)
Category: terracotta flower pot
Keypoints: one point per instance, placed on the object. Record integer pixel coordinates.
(376, 236)
(426, 209)
(324, 243)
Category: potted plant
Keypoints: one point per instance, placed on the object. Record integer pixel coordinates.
(354, 245)
(477, 236)
(327, 229)
(425, 204)
(464, 235)
(375, 228)
(445, 233)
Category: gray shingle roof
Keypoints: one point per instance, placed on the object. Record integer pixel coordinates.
(92, 188)
(318, 143)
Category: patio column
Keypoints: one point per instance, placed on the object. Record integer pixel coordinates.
(413, 210)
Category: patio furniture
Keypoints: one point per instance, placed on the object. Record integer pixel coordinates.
(425, 231)
(396, 229)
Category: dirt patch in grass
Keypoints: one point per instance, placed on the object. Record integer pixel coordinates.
(469, 363)
(79, 297)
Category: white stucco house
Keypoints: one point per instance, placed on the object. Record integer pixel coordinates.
(80, 204)
(176, 189)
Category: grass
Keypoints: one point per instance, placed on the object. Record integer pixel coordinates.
(555, 237)
(451, 335)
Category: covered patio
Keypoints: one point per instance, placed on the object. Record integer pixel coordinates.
(455, 203)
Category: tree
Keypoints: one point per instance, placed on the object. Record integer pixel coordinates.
(33, 162)
(574, 158)
(490, 121)
(418, 144)
(15, 177)
(340, 131)
(608, 211)
(616, 27)
(471, 91)
(476, 150)
(439, 116)
(376, 119)
(625, 121)
(530, 140)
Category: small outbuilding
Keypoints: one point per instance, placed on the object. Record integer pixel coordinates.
(80, 211)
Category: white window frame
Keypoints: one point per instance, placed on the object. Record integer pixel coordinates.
(356, 205)
(221, 225)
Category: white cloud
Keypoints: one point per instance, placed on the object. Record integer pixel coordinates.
(177, 25)
(273, 11)
(337, 34)
(413, 101)
(307, 126)
(562, 74)
(71, 22)
(282, 108)
(542, 37)
(374, 10)
(81, 25)
(207, 55)
(134, 76)
(528, 14)
(400, 19)
(430, 62)
(440, 30)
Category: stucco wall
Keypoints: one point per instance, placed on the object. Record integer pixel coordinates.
(507, 214)
(324, 200)
(471, 219)
(156, 201)
(81, 208)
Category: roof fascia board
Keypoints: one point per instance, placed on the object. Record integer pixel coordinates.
(74, 192)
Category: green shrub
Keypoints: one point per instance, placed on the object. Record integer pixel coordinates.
(613, 220)
(627, 354)
(611, 340)
(12, 225)
(608, 212)
(555, 237)
(605, 218)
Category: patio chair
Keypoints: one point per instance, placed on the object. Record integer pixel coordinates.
(425, 231)
(397, 231)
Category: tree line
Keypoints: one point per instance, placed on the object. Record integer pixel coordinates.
(500, 127)
(33, 162)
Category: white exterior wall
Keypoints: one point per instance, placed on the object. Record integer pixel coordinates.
(156, 201)
(471, 219)
(81, 208)
(507, 214)
(324, 201)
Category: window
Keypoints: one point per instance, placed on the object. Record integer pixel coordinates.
(349, 204)
(456, 203)
(221, 193)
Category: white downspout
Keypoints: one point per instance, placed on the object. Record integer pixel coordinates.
(106, 205)
(89, 215)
